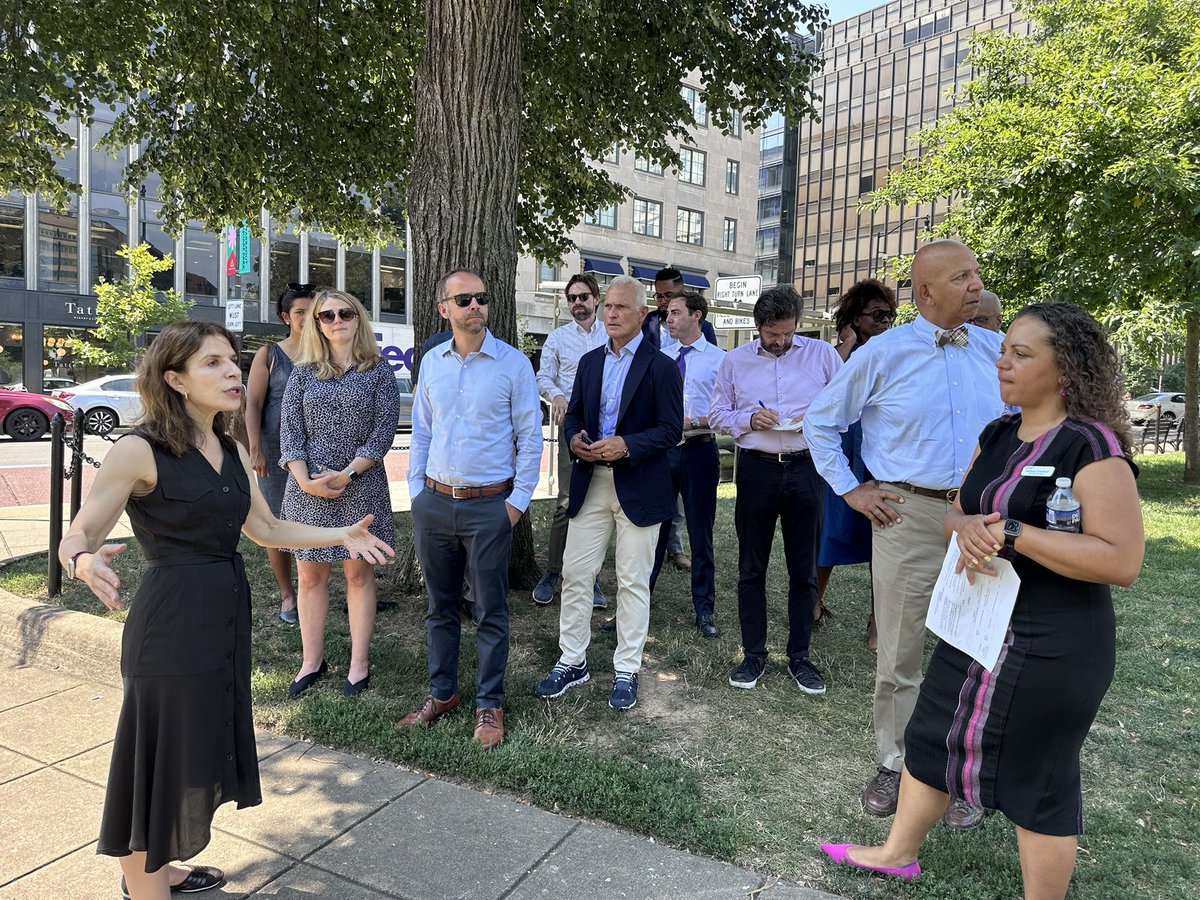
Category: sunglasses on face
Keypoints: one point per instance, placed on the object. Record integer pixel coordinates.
(579, 297)
(881, 315)
(346, 314)
(464, 300)
(981, 321)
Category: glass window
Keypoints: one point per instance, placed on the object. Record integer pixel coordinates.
(12, 240)
(691, 97)
(735, 123)
(733, 176)
(689, 226)
(547, 271)
(767, 241)
(68, 165)
(729, 236)
(391, 282)
(770, 178)
(12, 353)
(58, 247)
(768, 269)
(61, 359)
(641, 164)
(248, 287)
(161, 244)
(612, 155)
(106, 170)
(285, 258)
(322, 260)
(204, 265)
(602, 218)
(358, 275)
(770, 207)
(110, 232)
(691, 165)
(647, 217)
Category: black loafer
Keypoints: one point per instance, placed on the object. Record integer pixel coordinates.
(706, 626)
(300, 685)
(350, 689)
(201, 878)
(609, 625)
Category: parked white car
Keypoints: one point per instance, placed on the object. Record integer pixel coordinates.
(1145, 408)
(107, 403)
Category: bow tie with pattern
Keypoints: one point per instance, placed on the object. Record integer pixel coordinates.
(956, 336)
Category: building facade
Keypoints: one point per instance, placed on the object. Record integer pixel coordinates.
(887, 71)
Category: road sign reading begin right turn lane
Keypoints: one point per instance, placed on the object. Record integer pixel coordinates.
(738, 289)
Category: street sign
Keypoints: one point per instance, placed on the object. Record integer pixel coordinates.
(726, 323)
(738, 289)
(234, 310)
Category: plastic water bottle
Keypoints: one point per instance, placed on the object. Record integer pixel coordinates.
(1062, 509)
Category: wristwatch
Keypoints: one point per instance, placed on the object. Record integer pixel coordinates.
(695, 423)
(70, 568)
(1012, 529)
(351, 474)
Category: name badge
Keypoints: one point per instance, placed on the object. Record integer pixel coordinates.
(1037, 471)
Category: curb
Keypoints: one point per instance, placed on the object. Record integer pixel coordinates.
(50, 637)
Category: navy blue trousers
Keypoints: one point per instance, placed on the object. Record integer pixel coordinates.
(695, 473)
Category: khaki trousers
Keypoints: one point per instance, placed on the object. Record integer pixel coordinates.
(587, 544)
(905, 561)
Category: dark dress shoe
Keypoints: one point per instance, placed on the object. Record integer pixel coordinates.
(962, 816)
(201, 878)
(353, 689)
(879, 798)
(300, 685)
(706, 626)
(609, 625)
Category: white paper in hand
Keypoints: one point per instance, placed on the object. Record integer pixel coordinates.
(973, 618)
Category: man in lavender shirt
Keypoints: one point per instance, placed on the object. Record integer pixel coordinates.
(762, 392)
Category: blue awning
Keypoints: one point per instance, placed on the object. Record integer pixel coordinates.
(696, 281)
(602, 266)
(645, 273)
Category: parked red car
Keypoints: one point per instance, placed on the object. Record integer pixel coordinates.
(26, 417)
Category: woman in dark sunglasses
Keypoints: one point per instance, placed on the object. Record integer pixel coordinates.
(264, 403)
(339, 417)
(866, 310)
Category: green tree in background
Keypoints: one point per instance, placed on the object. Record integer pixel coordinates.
(126, 310)
(1073, 166)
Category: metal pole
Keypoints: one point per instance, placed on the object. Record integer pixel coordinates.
(76, 463)
(53, 566)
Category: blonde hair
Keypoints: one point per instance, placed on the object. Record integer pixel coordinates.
(314, 347)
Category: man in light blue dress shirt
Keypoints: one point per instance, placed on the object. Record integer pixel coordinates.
(923, 392)
(475, 402)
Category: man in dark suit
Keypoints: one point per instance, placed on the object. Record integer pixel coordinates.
(625, 414)
(668, 283)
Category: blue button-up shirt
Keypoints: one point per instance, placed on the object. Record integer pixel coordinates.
(921, 407)
(468, 412)
(616, 367)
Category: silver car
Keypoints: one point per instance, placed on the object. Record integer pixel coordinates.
(109, 402)
(404, 384)
(1167, 405)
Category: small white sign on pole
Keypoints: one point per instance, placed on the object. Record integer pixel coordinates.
(234, 315)
(723, 322)
(738, 289)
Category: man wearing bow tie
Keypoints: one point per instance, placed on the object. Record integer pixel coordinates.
(923, 392)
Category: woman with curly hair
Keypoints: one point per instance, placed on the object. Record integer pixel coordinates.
(866, 310)
(1009, 738)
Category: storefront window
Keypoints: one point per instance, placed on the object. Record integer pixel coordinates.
(61, 358)
(391, 283)
(285, 260)
(12, 353)
(12, 240)
(110, 232)
(204, 262)
(161, 244)
(322, 260)
(358, 275)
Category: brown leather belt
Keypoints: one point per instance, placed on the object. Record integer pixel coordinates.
(468, 493)
(790, 456)
(698, 439)
(946, 494)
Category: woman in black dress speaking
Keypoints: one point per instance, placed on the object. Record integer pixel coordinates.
(1009, 738)
(185, 736)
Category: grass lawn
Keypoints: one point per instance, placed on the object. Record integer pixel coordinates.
(762, 777)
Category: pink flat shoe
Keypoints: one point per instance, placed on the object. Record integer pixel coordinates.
(837, 852)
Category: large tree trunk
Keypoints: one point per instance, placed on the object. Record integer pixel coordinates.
(1191, 377)
(462, 198)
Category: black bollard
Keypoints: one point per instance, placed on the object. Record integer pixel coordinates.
(53, 566)
(77, 463)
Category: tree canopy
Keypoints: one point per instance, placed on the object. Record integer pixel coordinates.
(1072, 161)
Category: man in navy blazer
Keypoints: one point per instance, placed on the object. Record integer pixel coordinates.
(625, 414)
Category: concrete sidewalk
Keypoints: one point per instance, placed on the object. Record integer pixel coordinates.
(332, 825)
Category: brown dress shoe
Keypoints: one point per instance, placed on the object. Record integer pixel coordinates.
(962, 816)
(430, 710)
(879, 798)
(682, 562)
(489, 726)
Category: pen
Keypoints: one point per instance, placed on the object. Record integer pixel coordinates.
(763, 405)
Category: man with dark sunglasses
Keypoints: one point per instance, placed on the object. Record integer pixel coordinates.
(477, 398)
(561, 353)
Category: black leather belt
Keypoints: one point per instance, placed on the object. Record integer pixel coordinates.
(698, 439)
(791, 456)
(468, 493)
(946, 494)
